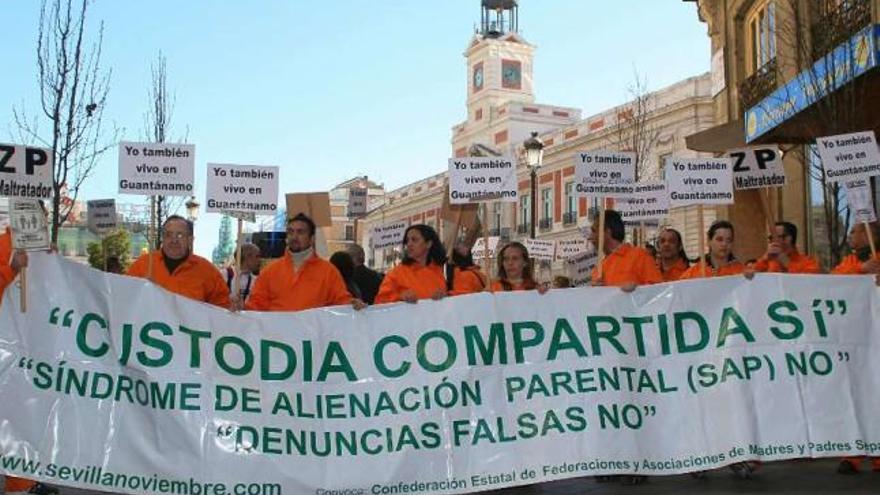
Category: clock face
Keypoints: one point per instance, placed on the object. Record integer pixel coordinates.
(478, 77)
(511, 74)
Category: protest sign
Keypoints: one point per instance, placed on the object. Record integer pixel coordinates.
(849, 156)
(566, 248)
(481, 179)
(648, 202)
(699, 181)
(150, 169)
(30, 230)
(388, 235)
(25, 172)
(604, 174)
(479, 249)
(540, 249)
(858, 196)
(357, 201)
(757, 167)
(101, 215)
(245, 188)
(580, 268)
(441, 397)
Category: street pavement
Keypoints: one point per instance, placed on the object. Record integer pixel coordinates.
(801, 477)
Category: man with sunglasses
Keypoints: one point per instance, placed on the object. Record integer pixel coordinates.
(782, 253)
(178, 270)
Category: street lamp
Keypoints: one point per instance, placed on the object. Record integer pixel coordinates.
(192, 209)
(534, 156)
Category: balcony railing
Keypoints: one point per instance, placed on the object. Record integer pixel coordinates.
(523, 228)
(495, 232)
(839, 24)
(569, 217)
(545, 224)
(505, 234)
(757, 86)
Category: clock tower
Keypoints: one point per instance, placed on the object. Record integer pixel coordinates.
(499, 60)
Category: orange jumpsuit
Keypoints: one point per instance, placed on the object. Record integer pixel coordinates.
(797, 263)
(467, 281)
(195, 278)
(674, 272)
(316, 284)
(423, 280)
(497, 287)
(851, 265)
(696, 271)
(628, 264)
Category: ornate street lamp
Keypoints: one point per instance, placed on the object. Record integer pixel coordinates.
(534, 157)
(192, 209)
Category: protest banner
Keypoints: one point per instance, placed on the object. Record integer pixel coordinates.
(648, 202)
(847, 157)
(30, 232)
(246, 188)
(858, 197)
(580, 267)
(151, 169)
(479, 250)
(25, 172)
(465, 394)
(101, 216)
(540, 249)
(482, 179)
(388, 235)
(357, 202)
(699, 181)
(566, 248)
(757, 167)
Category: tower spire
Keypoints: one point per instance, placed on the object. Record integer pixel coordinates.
(498, 17)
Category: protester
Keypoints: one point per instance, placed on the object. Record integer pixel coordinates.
(719, 261)
(420, 274)
(860, 260)
(463, 276)
(345, 264)
(625, 266)
(367, 280)
(11, 261)
(782, 254)
(300, 279)
(251, 258)
(671, 257)
(561, 282)
(178, 270)
(516, 270)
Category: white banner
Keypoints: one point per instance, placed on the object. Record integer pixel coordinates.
(757, 167)
(390, 235)
(151, 169)
(566, 248)
(849, 156)
(607, 174)
(861, 204)
(245, 188)
(101, 215)
(694, 181)
(540, 249)
(482, 179)
(649, 201)
(25, 172)
(123, 387)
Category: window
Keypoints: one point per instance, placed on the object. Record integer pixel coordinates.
(662, 164)
(349, 232)
(497, 216)
(546, 203)
(570, 199)
(761, 25)
(525, 213)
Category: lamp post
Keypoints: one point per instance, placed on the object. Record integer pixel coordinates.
(192, 209)
(534, 156)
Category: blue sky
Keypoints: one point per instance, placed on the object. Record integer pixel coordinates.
(332, 89)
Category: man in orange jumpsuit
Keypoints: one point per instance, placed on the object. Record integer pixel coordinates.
(300, 279)
(625, 266)
(782, 254)
(178, 270)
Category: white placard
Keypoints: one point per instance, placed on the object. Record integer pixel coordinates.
(479, 249)
(592, 168)
(389, 235)
(151, 169)
(357, 201)
(566, 248)
(580, 268)
(694, 181)
(102, 215)
(30, 230)
(540, 249)
(649, 201)
(245, 188)
(244, 216)
(858, 196)
(25, 172)
(474, 180)
(849, 156)
(717, 72)
(757, 167)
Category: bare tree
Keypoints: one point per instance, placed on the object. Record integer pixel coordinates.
(634, 131)
(73, 95)
(816, 56)
(157, 126)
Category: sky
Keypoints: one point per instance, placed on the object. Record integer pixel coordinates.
(328, 90)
